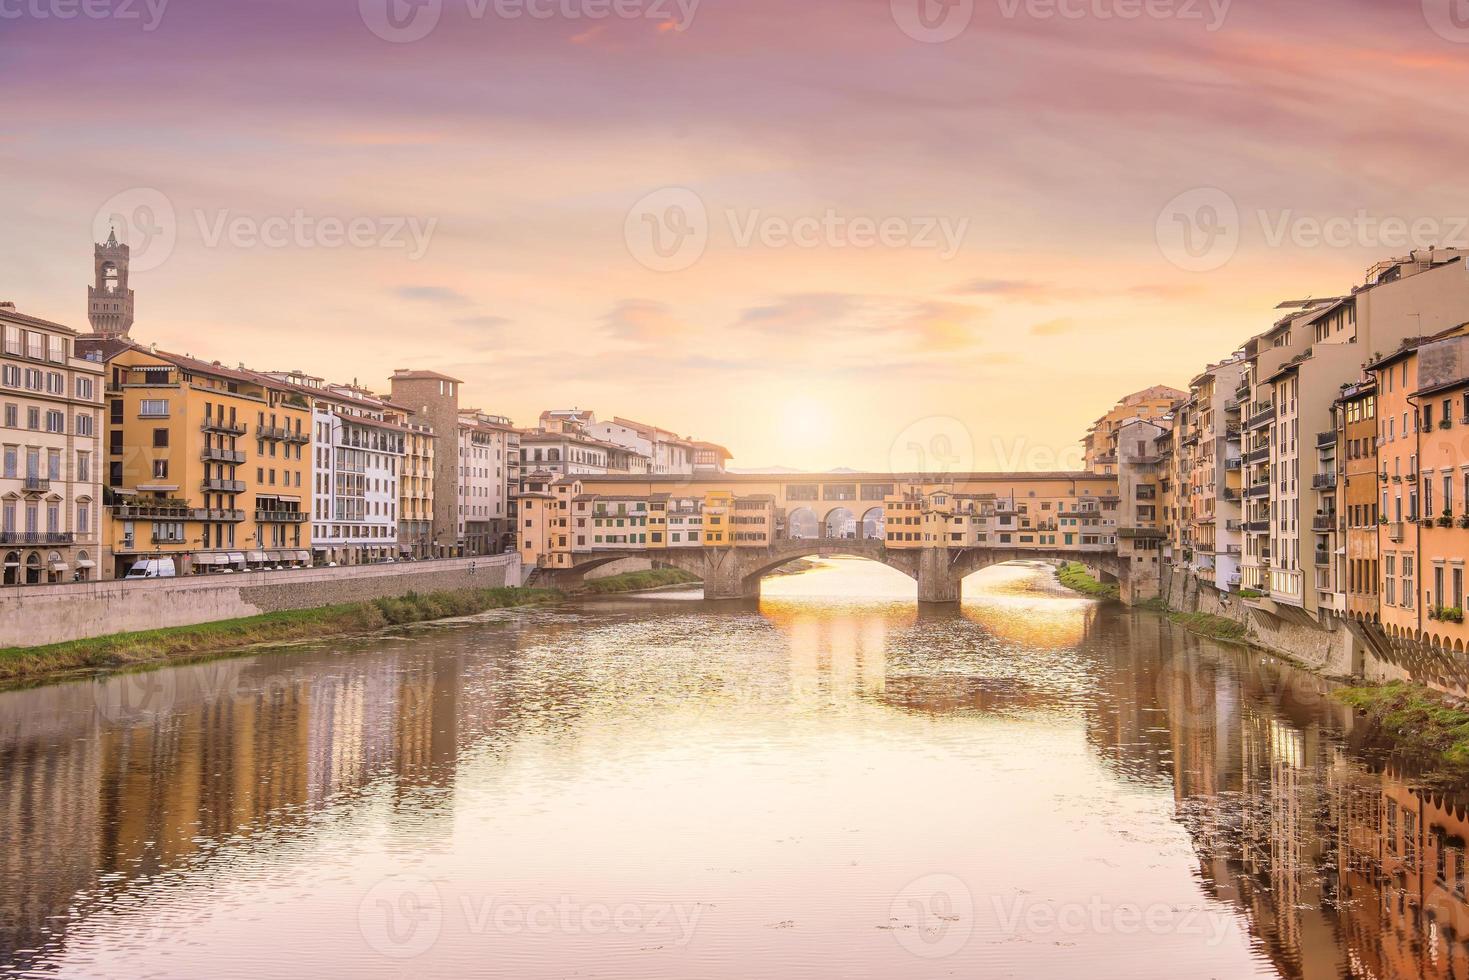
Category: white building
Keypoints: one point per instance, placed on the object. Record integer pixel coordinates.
(50, 432)
(488, 476)
(358, 442)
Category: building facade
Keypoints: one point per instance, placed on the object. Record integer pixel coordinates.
(206, 464)
(50, 452)
(433, 399)
(487, 446)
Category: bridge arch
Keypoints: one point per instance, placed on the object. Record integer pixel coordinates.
(874, 525)
(840, 523)
(802, 523)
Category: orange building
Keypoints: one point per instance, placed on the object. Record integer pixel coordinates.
(1423, 408)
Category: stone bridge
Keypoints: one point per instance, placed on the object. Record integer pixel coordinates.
(735, 573)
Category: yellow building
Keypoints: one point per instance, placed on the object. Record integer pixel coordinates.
(205, 464)
(568, 519)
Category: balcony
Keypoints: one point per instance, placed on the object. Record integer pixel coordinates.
(281, 516)
(1323, 481)
(1326, 439)
(302, 436)
(174, 512)
(1234, 525)
(223, 486)
(1395, 531)
(1323, 557)
(1264, 415)
(1258, 490)
(230, 427)
(271, 432)
(36, 537)
(1324, 523)
(1233, 463)
(1257, 527)
(212, 455)
(1230, 494)
(37, 484)
(1258, 455)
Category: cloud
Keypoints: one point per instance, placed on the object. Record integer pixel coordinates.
(441, 295)
(942, 326)
(488, 322)
(643, 320)
(1054, 328)
(1004, 287)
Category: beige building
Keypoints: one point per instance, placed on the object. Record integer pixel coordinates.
(416, 490)
(50, 437)
(1293, 552)
(489, 447)
(1099, 445)
(433, 398)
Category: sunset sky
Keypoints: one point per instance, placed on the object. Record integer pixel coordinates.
(1063, 155)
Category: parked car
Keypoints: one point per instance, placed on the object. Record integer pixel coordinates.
(153, 568)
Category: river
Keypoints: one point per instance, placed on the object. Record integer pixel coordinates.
(831, 783)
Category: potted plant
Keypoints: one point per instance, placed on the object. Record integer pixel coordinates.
(1446, 519)
(1464, 521)
(1454, 614)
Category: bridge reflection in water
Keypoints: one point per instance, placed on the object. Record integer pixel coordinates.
(150, 817)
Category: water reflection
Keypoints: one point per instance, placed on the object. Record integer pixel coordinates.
(779, 780)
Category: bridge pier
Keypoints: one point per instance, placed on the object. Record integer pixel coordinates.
(937, 581)
(726, 576)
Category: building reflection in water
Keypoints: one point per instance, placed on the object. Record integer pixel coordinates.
(112, 782)
(1343, 862)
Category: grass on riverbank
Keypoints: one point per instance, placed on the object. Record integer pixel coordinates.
(120, 649)
(1074, 576)
(635, 581)
(1214, 627)
(1418, 718)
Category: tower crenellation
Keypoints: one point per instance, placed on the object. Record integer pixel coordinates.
(109, 300)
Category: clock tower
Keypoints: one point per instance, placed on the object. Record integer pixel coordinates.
(109, 300)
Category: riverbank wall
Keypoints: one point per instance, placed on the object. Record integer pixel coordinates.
(1340, 649)
(42, 614)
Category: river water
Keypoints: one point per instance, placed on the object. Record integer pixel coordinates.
(831, 783)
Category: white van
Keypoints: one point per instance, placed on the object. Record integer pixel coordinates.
(152, 568)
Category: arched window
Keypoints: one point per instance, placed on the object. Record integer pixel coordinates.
(109, 277)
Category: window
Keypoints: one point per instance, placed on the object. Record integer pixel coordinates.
(55, 421)
(84, 389)
(160, 469)
(160, 438)
(153, 408)
(84, 424)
